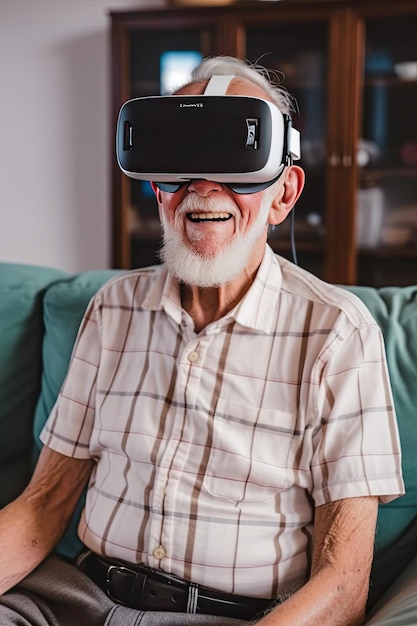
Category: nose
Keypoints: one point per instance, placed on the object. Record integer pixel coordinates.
(204, 187)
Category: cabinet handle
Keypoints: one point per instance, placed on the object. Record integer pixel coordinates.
(334, 160)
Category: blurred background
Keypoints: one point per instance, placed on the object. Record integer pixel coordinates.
(66, 66)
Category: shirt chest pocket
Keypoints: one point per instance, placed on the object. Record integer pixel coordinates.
(249, 456)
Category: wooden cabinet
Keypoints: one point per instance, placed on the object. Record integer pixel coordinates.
(352, 68)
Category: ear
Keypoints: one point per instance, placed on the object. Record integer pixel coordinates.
(288, 193)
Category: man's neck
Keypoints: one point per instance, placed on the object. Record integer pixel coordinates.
(208, 304)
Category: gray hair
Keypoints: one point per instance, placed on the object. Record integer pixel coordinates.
(267, 80)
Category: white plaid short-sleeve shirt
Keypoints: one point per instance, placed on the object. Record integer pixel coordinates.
(212, 449)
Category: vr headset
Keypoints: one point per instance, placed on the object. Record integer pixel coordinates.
(227, 139)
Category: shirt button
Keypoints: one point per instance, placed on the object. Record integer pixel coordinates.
(159, 552)
(192, 357)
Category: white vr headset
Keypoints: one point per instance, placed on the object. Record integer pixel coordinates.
(227, 139)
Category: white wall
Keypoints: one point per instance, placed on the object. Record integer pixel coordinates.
(55, 131)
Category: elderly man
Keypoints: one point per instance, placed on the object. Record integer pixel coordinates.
(233, 419)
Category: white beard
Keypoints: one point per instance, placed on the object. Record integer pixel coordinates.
(193, 268)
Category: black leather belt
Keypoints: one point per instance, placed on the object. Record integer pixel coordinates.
(143, 588)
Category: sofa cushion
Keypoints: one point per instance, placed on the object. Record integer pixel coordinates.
(22, 288)
(395, 310)
(64, 306)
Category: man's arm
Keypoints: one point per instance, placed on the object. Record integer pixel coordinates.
(337, 591)
(32, 525)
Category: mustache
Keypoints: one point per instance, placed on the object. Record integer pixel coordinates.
(194, 203)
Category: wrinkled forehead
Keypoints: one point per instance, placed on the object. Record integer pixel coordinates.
(237, 87)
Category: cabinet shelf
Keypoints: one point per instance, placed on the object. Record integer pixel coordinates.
(390, 252)
(375, 174)
(390, 81)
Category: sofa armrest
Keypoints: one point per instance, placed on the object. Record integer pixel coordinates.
(399, 604)
(22, 289)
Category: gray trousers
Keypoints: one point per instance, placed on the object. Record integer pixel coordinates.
(58, 594)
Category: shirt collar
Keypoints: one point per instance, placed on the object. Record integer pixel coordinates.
(164, 294)
(256, 310)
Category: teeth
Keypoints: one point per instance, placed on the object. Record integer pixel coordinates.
(210, 216)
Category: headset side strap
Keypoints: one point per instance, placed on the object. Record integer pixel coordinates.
(294, 144)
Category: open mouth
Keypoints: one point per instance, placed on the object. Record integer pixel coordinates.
(209, 217)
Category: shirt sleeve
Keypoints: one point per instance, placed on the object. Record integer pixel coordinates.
(70, 423)
(356, 444)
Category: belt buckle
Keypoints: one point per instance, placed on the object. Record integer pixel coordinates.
(119, 568)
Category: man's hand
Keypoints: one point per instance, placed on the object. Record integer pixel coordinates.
(32, 525)
(337, 591)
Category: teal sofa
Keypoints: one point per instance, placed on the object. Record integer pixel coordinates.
(40, 310)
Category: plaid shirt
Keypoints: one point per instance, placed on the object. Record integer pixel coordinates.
(212, 449)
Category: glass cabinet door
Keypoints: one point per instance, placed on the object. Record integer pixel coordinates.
(387, 154)
(303, 70)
